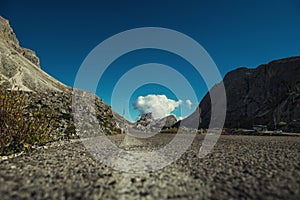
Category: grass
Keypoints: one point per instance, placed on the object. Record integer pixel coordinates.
(20, 131)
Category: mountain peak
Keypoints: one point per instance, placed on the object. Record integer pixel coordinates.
(20, 67)
(9, 40)
(268, 95)
(6, 32)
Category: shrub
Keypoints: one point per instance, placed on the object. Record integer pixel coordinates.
(19, 132)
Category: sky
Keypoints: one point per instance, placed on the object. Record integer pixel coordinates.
(235, 33)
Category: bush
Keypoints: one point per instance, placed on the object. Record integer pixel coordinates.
(19, 132)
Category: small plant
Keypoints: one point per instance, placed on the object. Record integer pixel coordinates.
(19, 132)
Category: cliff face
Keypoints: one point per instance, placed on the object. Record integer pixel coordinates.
(268, 94)
(20, 67)
(9, 38)
(146, 122)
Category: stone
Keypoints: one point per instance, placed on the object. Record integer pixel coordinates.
(263, 95)
(147, 122)
(21, 74)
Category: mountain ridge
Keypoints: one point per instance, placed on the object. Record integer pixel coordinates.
(20, 71)
(268, 94)
(20, 67)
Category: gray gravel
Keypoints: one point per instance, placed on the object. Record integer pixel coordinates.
(240, 167)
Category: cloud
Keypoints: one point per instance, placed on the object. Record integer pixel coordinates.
(181, 118)
(159, 105)
(189, 103)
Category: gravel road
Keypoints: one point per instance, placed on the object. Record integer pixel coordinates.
(240, 167)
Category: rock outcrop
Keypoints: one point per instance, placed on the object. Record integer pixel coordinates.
(147, 123)
(20, 67)
(9, 37)
(267, 95)
(145, 120)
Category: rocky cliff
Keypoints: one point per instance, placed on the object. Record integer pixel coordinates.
(147, 123)
(267, 95)
(20, 67)
(20, 70)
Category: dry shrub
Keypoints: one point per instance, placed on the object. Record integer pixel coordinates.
(20, 132)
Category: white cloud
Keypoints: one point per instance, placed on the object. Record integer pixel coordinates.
(181, 118)
(159, 105)
(189, 103)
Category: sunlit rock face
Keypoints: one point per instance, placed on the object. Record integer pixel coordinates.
(20, 71)
(20, 67)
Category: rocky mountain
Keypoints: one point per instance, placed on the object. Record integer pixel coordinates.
(267, 95)
(147, 123)
(20, 67)
(20, 71)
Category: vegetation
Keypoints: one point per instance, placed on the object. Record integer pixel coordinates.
(20, 131)
(171, 130)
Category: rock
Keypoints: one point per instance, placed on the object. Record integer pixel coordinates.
(169, 121)
(9, 37)
(268, 93)
(20, 67)
(147, 122)
(21, 74)
(145, 119)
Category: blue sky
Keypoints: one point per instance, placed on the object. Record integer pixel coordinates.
(234, 33)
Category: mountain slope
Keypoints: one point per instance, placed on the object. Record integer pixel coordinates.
(147, 123)
(19, 67)
(20, 70)
(268, 94)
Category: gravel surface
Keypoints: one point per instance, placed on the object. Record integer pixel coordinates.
(240, 167)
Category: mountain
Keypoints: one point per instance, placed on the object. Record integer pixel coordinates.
(20, 67)
(147, 123)
(267, 95)
(20, 72)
